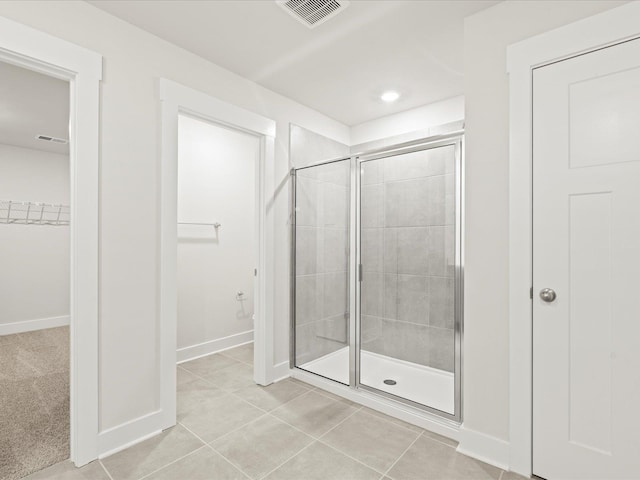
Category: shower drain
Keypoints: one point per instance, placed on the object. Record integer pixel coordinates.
(389, 382)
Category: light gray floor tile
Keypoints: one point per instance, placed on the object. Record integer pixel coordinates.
(261, 446)
(337, 398)
(192, 393)
(231, 378)
(184, 376)
(512, 476)
(314, 413)
(152, 454)
(375, 413)
(371, 440)
(320, 462)
(68, 471)
(243, 353)
(205, 464)
(440, 438)
(218, 416)
(272, 396)
(301, 383)
(206, 365)
(431, 460)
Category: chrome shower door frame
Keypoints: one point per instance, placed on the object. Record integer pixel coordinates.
(455, 139)
(292, 262)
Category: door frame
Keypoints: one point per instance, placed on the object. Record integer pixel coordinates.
(454, 138)
(34, 50)
(176, 99)
(599, 31)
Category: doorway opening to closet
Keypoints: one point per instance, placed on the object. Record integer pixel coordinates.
(35, 277)
(216, 260)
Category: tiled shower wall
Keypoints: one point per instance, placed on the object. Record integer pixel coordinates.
(322, 242)
(408, 257)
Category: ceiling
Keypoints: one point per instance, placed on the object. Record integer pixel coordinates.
(33, 104)
(339, 68)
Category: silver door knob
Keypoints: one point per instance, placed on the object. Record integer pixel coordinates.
(547, 295)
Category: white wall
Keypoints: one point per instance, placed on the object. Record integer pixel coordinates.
(34, 259)
(129, 183)
(420, 118)
(486, 331)
(216, 183)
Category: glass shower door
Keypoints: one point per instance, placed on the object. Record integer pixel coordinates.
(320, 269)
(408, 322)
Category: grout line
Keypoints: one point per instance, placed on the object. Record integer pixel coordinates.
(105, 469)
(217, 452)
(266, 414)
(235, 393)
(223, 352)
(428, 437)
(206, 380)
(501, 475)
(352, 458)
(402, 455)
(191, 432)
(314, 438)
(339, 423)
(237, 467)
(287, 460)
(182, 364)
(172, 462)
(393, 423)
(239, 427)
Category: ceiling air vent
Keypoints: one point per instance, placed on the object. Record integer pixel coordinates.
(47, 138)
(313, 12)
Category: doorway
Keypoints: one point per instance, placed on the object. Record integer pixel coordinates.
(176, 101)
(217, 169)
(36, 51)
(586, 232)
(34, 283)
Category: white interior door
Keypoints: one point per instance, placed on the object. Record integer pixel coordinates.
(586, 224)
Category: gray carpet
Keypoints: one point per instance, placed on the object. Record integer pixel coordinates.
(34, 401)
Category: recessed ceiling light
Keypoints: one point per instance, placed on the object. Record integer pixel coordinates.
(389, 96)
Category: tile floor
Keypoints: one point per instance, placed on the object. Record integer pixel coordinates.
(229, 428)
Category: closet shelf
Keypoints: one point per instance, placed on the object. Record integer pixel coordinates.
(33, 213)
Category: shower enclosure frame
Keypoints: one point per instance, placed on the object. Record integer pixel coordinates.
(356, 160)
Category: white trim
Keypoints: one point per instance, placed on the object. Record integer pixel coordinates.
(595, 32)
(485, 448)
(406, 413)
(31, 325)
(281, 371)
(192, 352)
(35, 50)
(175, 99)
(129, 433)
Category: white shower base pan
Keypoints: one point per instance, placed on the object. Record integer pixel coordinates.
(424, 385)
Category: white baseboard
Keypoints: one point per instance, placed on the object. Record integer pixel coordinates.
(485, 448)
(31, 325)
(281, 371)
(123, 436)
(213, 346)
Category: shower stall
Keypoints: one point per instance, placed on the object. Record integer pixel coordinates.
(376, 296)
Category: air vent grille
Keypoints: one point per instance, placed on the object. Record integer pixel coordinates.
(47, 138)
(313, 12)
